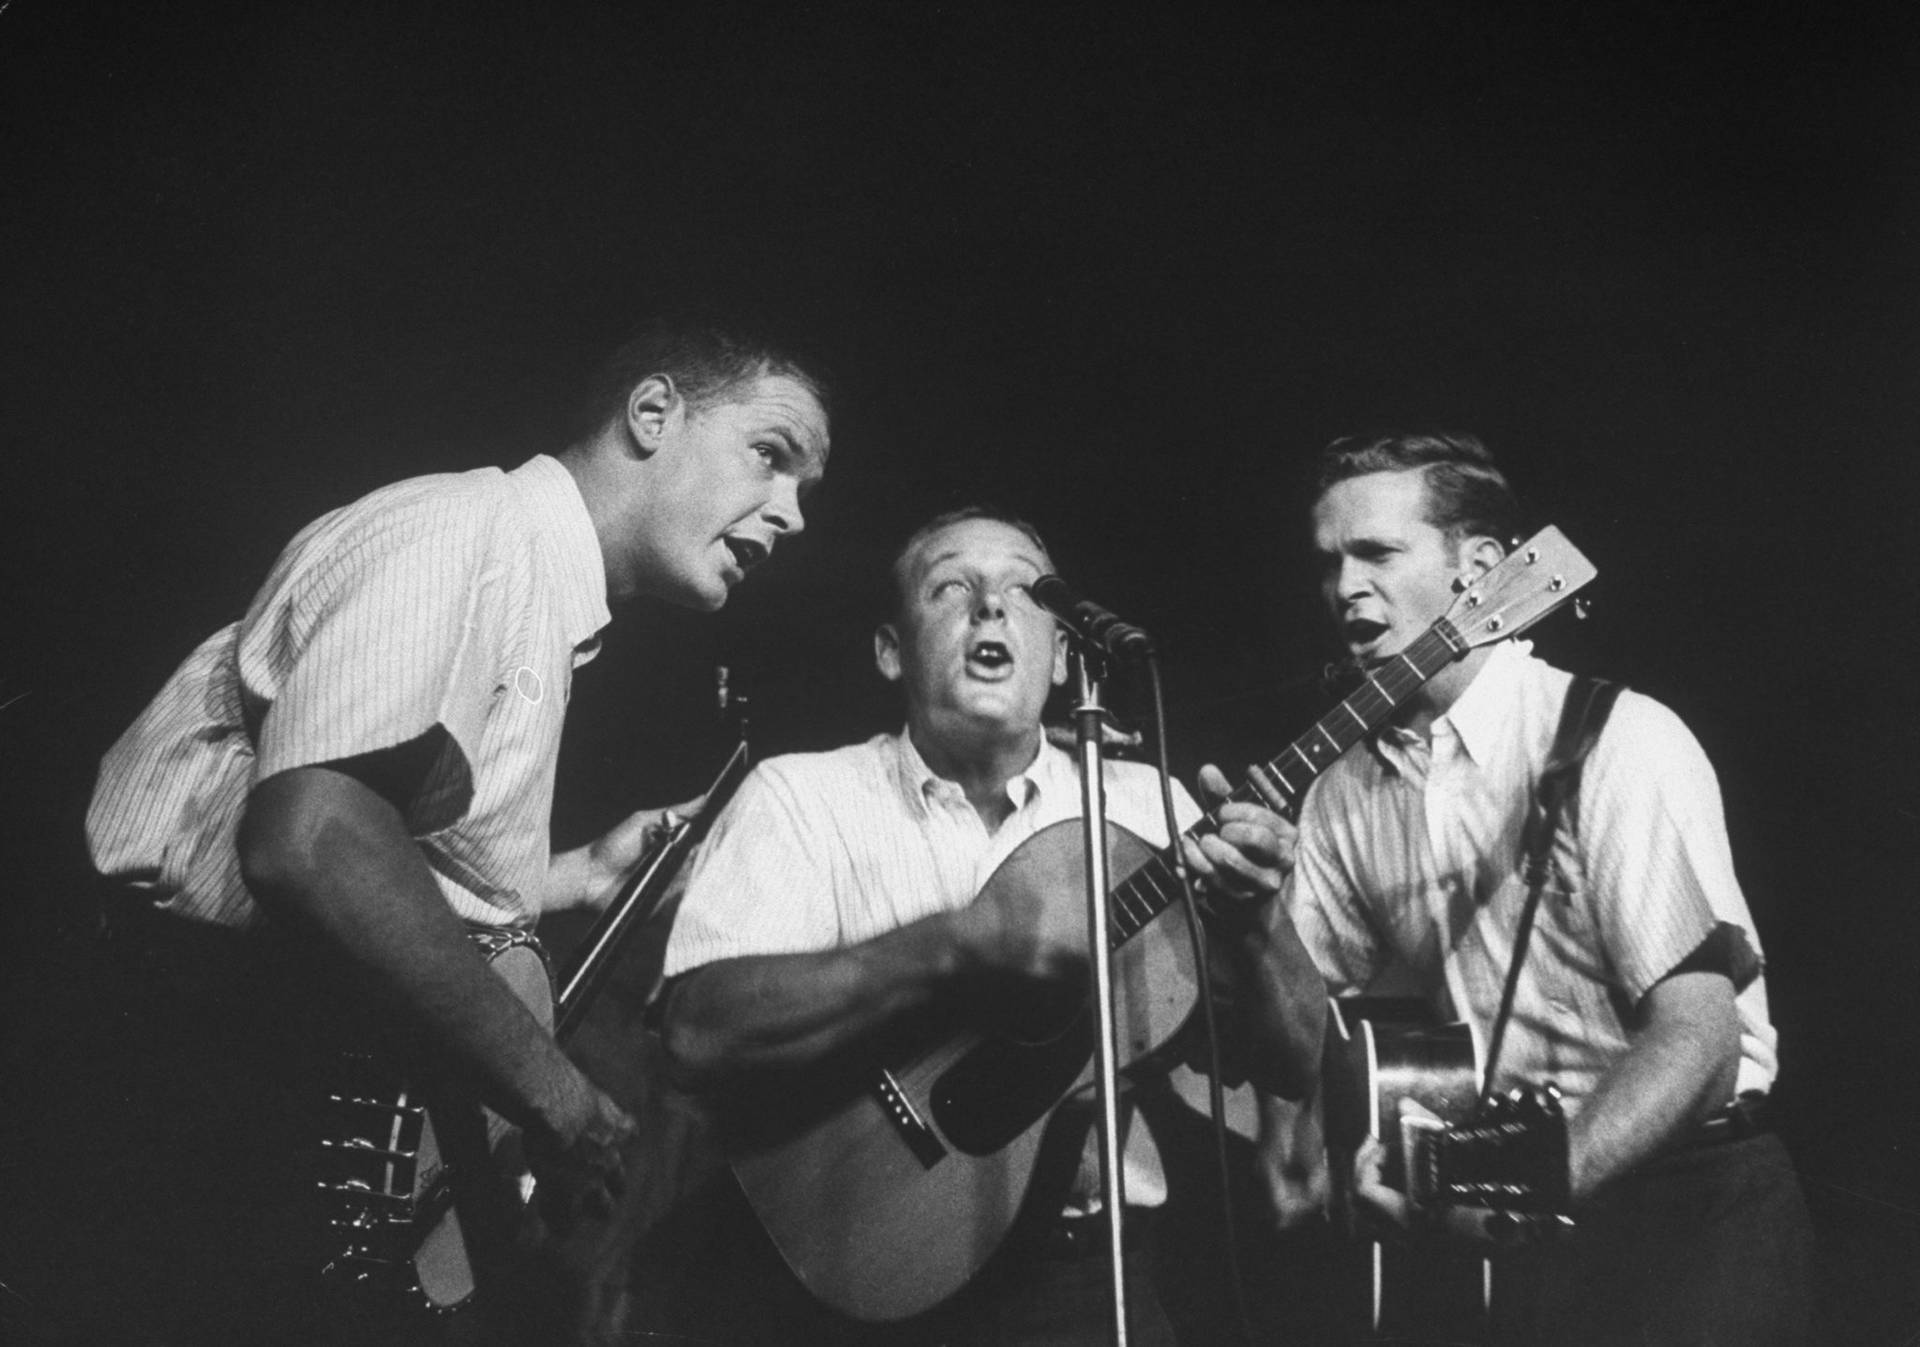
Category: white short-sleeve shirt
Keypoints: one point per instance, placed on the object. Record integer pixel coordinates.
(819, 851)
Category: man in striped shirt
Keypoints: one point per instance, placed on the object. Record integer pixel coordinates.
(363, 766)
(1641, 994)
(837, 894)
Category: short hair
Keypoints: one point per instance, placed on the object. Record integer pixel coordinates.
(708, 358)
(947, 519)
(1467, 494)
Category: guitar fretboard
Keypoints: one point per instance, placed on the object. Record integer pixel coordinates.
(1148, 891)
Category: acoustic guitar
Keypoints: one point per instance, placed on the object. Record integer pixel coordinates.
(1379, 1052)
(887, 1182)
(424, 1185)
(1394, 1072)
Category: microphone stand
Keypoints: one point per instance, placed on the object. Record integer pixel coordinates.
(1088, 717)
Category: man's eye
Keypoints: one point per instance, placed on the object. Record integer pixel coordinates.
(769, 453)
(945, 587)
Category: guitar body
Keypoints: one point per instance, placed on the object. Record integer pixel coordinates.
(424, 1184)
(889, 1187)
(1380, 1051)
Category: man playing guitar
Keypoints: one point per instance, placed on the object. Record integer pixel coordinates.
(1640, 995)
(836, 899)
(362, 769)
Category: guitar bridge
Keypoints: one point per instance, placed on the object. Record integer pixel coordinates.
(907, 1121)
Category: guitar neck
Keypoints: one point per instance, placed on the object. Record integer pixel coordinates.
(1150, 889)
(637, 900)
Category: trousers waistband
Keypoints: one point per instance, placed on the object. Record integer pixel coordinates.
(1748, 1116)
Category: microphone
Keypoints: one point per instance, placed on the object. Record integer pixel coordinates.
(1089, 621)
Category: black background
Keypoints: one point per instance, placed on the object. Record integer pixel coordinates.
(1120, 272)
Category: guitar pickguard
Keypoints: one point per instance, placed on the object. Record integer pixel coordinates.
(997, 1090)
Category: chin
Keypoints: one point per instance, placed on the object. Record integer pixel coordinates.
(702, 596)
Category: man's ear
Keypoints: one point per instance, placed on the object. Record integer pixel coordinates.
(1480, 555)
(654, 406)
(1059, 657)
(886, 651)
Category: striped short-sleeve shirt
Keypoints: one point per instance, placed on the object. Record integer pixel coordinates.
(1410, 857)
(459, 603)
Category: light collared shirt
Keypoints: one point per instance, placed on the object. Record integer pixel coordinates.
(1410, 853)
(823, 850)
(460, 602)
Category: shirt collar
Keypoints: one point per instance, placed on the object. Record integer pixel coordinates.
(920, 783)
(552, 500)
(1477, 714)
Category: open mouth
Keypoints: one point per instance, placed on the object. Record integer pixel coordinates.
(989, 657)
(746, 552)
(1361, 631)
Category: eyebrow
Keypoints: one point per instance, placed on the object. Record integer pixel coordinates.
(799, 454)
(933, 563)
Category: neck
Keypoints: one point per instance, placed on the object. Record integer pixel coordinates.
(1440, 692)
(592, 463)
(981, 765)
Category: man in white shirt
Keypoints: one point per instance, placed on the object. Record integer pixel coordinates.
(1641, 995)
(837, 897)
(363, 766)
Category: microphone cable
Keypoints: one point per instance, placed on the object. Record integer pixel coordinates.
(1216, 1093)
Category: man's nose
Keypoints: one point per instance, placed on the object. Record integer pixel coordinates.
(990, 603)
(1350, 581)
(1346, 582)
(783, 511)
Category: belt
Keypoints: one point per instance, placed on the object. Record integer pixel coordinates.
(1086, 1236)
(1748, 1116)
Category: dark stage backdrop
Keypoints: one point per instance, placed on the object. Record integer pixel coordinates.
(1121, 276)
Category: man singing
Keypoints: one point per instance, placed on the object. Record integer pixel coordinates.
(1641, 994)
(837, 897)
(342, 783)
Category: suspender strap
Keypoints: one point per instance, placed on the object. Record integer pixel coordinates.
(1582, 717)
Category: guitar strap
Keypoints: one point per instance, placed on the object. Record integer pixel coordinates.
(1582, 716)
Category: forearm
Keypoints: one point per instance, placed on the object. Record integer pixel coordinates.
(1682, 1065)
(326, 853)
(574, 881)
(1286, 1005)
(782, 1011)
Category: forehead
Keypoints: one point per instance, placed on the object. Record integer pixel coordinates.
(975, 543)
(1376, 504)
(779, 402)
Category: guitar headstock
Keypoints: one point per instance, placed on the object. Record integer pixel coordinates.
(1537, 577)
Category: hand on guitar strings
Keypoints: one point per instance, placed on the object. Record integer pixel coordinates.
(579, 1168)
(1386, 1210)
(1243, 864)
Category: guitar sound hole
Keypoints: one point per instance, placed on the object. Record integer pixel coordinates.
(1001, 1087)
